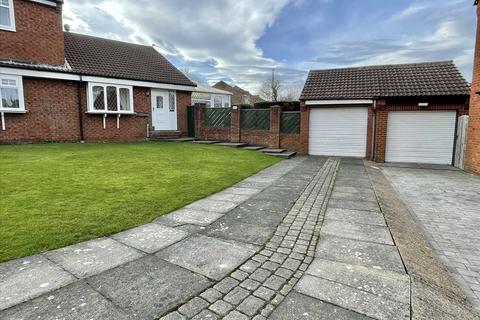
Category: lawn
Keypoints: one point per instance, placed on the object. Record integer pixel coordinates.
(53, 195)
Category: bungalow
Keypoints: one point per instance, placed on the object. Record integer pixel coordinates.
(392, 113)
(62, 86)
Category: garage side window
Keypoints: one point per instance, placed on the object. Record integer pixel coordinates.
(11, 94)
(107, 98)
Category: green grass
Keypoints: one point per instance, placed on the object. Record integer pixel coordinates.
(53, 195)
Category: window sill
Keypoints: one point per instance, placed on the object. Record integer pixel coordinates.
(12, 111)
(6, 28)
(112, 113)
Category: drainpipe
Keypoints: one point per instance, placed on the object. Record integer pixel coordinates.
(80, 113)
(374, 129)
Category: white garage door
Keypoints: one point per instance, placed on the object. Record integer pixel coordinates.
(338, 131)
(420, 136)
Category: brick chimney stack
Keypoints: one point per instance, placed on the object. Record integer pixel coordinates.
(472, 160)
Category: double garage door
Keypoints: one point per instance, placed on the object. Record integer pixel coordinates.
(419, 136)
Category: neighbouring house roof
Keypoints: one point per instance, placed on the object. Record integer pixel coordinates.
(208, 89)
(94, 56)
(239, 95)
(401, 80)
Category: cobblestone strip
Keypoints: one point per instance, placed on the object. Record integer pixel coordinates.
(257, 287)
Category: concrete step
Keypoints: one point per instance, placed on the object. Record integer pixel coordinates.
(284, 155)
(255, 148)
(267, 150)
(232, 144)
(185, 139)
(205, 141)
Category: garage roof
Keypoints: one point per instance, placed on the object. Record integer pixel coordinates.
(400, 80)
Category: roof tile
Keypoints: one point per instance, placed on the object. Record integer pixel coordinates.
(94, 56)
(401, 80)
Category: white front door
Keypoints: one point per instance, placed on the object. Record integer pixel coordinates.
(164, 110)
(420, 136)
(340, 131)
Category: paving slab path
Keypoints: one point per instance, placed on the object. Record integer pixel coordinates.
(308, 238)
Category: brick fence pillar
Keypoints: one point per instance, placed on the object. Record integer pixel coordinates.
(304, 124)
(381, 123)
(200, 109)
(235, 125)
(275, 113)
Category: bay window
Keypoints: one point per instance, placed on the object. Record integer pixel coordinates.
(109, 98)
(11, 93)
(7, 18)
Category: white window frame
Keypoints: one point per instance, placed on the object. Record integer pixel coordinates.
(19, 87)
(12, 18)
(91, 109)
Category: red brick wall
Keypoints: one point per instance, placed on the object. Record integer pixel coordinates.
(132, 127)
(304, 128)
(184, 99)
(38, 36)
(216, 134)
(256, 137)
(472, 158)
(290, 141)
(52, 113)
(441, 103)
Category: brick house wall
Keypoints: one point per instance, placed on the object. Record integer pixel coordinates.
(472, 158)
(184, 99)
(132, 127)
(38, 36)
(52, 113)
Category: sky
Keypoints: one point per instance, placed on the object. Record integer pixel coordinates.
(241, 41)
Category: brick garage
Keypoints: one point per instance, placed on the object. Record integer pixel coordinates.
(393, 91)
(61, 85)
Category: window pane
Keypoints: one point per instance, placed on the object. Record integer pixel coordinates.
(9, 82)
(10, 98)
(5, 16)
(124, 99)
(159, 102)
(98, 98)
(171, 101)
(217, 102)
(112, 98)
(226, 105)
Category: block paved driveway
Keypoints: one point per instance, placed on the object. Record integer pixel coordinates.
(304, 239)
(447, 205)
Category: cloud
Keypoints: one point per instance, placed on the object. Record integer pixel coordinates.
(241, 41)
(224, 32)
(409, 11)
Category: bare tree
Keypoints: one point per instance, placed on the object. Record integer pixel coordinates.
(270, 89)
(290, 93)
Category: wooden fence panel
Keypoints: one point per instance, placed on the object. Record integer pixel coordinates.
(218, 117)
(460, 147)
(255, 119)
